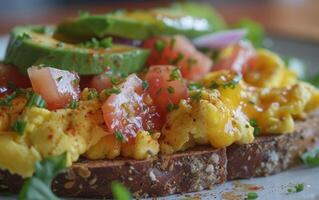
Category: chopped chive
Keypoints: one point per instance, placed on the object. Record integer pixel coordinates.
(113, 90)
(170, 90)
(115, 80)
(145, 85)
(119, 136)
(177, 59)
(214, 85)
(311, 158)
(73, 104)
(251, 196)
(175, 74)
(159, 45)
(35, 100)
(170, 107)
(19, 126)
(92, 93)
(257, 129)
(299, 187)
(196, 95)
(195, 86)
(7, 99)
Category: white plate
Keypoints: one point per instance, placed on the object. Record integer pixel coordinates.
(274, 187)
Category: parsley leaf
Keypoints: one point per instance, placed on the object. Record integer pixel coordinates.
(159, 45)
(175, 74)
(113, 90)
(296, 188)
(145, 85)
(120, 192)
(251, 196)
(170, 107)
(311, 158)
(170, 90)
(19, 126)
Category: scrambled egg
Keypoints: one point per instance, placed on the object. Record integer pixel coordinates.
(206, 121)
(50, 133)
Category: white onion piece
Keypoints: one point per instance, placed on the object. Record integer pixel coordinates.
(220, 39)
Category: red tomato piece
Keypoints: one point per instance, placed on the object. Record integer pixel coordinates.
(9, 74)
(179, 51)
(165, 88)
(238, 58)
(57, 87)
(130, 111)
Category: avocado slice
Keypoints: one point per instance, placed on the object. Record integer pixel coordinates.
(35, 45)
(188, 19)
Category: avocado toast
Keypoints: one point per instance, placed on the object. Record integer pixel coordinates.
(162, 116)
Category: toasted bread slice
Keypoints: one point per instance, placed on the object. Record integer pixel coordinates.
(188, 171)
(272, 154)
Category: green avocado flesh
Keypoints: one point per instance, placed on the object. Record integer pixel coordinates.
(35, 45)
(188, 19)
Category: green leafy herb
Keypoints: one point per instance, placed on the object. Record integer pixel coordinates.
(196, 96)
(38, 187)
(23, 36)
(175, 74)
(19, 126)
(177, 59)
(195, 86)
(113, 90)
(171, 106)
(170, 90)
(311, 158)
(297, 188)
(36, 100)
(251, 196)
(257, 129)
(145, 85)
(232, 84)
(214, 85)
(92, 94)
(256, 32)
(96, 44)
(7, 99)
(119, 136)
(120, 192)
(159, 45)
(73, 104)
(115, 80)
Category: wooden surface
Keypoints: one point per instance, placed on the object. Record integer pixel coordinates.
(292, 20)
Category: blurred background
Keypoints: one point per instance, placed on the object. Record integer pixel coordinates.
(293, 18)
(292, 25)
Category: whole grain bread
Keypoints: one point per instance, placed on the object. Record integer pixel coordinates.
(189, 171)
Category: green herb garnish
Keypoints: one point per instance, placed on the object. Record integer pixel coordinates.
(159, 45)
(7, 99)
(251, 196)
(177, 59)
(311, 158)
(297, 188)
(92, 94)
(113, 90)
(195, 86)
(171, 106)
(170, 90)
(19, 126)
(119, 136)
(196, 96)
(73, 104)
(145, 85)
(35, 100)
(39, 185)
(120, 192)
(257, 129)
(175, 74)
(23, 36)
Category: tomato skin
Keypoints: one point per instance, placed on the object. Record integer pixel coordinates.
(10, 74)
(100, 82)
(238, 58)
(162, 89)
(179, 51)
(131, 110)
(57, 87)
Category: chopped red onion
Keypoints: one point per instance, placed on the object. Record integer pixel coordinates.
(220, 39)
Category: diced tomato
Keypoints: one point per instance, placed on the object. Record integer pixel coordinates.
(105, 80)
(179, 51)
(131, 110)
(57, 87)
(236, 57)
(9, 74)
(165, 88)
